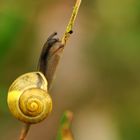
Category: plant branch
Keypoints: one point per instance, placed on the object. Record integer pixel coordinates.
(24, 131)
(71, 22)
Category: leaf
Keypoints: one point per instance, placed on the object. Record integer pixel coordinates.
(64, 132)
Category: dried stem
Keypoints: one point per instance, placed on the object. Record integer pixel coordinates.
(65, 37)
(24, 131)
(71, 22)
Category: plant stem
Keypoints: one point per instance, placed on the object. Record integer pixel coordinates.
(71, 22)
(24, 131)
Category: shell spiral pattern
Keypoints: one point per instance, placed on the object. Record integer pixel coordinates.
(28, 98)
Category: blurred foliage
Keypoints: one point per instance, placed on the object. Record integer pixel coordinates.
(114, 52)
(64, 132)
(10, 27)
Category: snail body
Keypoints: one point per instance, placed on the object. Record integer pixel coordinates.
(28, 98)
(50, 56)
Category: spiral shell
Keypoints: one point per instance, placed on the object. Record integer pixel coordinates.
(28, 98)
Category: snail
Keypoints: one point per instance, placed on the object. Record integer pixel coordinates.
(28, 98)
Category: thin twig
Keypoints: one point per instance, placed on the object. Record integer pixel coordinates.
(24, 131)
(65, 37)
(71, 22)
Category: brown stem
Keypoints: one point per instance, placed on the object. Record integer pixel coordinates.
(24, 131)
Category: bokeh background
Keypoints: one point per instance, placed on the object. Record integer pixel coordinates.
(98, 77)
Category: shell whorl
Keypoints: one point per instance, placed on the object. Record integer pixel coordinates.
(28, 98)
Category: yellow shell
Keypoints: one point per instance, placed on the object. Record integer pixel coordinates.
(28, 98)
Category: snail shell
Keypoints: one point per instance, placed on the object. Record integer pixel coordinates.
(28, 98)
